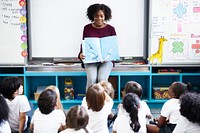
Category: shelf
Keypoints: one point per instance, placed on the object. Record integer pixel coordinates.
(146, 75)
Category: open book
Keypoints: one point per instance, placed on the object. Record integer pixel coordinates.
(100, 49)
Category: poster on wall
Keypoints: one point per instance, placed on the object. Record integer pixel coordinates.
(13, 42)
(179, 23)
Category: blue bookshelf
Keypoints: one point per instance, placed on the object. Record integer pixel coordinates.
(146, 75)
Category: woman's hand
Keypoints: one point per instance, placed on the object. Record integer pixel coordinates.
(82, 57)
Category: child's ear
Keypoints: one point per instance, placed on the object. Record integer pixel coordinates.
(20, 90)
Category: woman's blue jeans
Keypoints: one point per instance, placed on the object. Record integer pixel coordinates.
(97, 72)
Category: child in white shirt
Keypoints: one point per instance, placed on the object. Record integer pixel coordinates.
(127, 120)
(170, 113)
(47, 118)
(77, 120)
(189, 122)
(18, 104)
(98, 105)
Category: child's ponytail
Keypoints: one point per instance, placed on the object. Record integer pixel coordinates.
(131, 103)
(134, 123)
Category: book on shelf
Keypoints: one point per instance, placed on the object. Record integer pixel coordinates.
(100, 49)
(169, 70)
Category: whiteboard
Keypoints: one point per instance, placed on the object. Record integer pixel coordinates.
(56, 26)
(12, 47)
(179, 22)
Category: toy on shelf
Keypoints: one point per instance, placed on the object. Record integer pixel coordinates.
(159, 53)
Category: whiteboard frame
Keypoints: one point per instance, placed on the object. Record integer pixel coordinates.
(74, 58)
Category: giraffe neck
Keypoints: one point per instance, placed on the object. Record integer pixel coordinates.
(160, 48)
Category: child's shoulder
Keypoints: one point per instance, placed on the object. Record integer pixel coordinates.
(21, 97)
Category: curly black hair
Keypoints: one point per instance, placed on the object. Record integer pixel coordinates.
(93, 9)
(190, 106)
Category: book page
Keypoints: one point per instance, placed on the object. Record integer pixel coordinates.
(91, 50)
(109, 48)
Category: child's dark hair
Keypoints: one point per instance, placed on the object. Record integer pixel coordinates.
(178, 88)
(77, 118)
(3, 109)
(47, 101)
(190, 106)
(131, 103)
(93, 9)
(95, 97)
(133, 87)
(9, 86)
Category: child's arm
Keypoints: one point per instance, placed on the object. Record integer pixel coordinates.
(22, 120)
(161, 121)
(31, 127)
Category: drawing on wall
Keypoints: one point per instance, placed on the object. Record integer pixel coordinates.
(179, 11)
(194, 44)
(178, 46)
(195, 11)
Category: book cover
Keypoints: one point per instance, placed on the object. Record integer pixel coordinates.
(100, 49)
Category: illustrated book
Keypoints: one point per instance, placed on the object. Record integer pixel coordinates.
(100, 49)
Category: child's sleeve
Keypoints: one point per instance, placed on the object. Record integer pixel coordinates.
(24, 104)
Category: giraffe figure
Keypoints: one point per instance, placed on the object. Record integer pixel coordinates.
(159, 53)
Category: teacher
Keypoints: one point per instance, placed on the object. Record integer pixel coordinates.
(98, 14)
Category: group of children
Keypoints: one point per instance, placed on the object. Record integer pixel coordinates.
(179, 114)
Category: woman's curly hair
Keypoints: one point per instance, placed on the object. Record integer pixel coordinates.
(190, 106)
(93, 9)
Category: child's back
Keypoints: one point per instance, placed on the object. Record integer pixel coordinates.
(18, 104)
(98, 105)
(46, 118)
(134, 87)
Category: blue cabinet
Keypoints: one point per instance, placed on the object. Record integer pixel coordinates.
(148, 76)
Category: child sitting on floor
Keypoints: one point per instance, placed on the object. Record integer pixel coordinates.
(77, 120)
(98, 105)
(170, 113)
(189, 122)
(47, 118)
(127, 120)
(18, 104)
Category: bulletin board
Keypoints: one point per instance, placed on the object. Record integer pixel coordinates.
(179, 22)
(13, 37)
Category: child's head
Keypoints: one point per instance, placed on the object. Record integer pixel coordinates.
(131, 103)
(95, 97)
(93, 9)
(133, 87)
(47, 101)
(108, 88)
(177, 89)
(77, 117)
(3, 109)
(11, 86)
(190, 106)
(54, 88)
